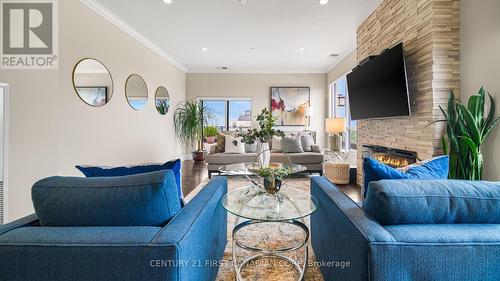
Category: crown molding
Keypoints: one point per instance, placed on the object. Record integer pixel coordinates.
(114, 19)
(256, 71)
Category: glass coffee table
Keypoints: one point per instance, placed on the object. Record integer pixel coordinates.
(250, 169)
(259, 212)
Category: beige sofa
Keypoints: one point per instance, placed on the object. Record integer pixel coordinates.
(313, 161)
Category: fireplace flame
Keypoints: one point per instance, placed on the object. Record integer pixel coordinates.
(391, 160)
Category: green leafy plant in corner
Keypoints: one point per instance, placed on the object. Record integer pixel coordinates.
(265, 132)
(467, 128)
(211, 131)
(189, 118)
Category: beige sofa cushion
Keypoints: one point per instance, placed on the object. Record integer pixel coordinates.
(224, 158)
(297, 158)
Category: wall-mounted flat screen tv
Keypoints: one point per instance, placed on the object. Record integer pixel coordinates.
(378, 88)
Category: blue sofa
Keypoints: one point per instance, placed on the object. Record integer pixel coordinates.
(188, 247)
(435, 235)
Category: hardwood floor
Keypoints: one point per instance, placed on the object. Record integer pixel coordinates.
(194, 173)
(352, 190)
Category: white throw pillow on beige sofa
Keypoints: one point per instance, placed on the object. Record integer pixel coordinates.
(276, 144)
(230, 148)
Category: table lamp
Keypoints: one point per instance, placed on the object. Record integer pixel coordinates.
(335, 127)
(309, 112)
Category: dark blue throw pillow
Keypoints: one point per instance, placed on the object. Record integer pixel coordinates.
(432, 169)
(148, 199)
(101, 171)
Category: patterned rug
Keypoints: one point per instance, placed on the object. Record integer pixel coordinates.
(266, 235)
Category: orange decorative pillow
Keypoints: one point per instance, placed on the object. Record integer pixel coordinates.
(221, 143)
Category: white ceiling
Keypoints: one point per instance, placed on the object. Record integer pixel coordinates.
(276, 29)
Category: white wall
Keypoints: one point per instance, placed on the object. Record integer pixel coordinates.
(2, 193)
(344, 66)
(1, 131)
(480, 65)
(258, 87)
(51, 129)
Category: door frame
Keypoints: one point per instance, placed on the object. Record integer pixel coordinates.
(6, 102)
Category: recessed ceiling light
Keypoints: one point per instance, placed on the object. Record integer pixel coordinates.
(300, 49)
(243, 2)
(204, 49)
(323, 2)
(167, 1)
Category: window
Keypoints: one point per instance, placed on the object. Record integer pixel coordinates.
(229, 114)
(218, 110)
(240, 114)
(339, 107)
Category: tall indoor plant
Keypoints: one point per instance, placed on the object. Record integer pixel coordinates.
(189, 118)
(467, 129)
(261, 136)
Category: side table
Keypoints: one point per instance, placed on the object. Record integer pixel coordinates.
(337, 172)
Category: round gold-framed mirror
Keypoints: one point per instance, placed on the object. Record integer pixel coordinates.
(92, 82)
(136, 91)
(162, 100)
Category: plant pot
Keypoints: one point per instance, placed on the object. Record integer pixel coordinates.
(263, 155)
(199, 156)
(272, 187)
(210, 140)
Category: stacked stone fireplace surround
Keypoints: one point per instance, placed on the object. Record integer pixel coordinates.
(429, 30)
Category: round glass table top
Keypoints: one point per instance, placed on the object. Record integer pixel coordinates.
(253, 202)
(248, 169)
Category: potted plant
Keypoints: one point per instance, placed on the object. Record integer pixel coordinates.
(467, 129)
(210, 133)
(273, 177)
(189, 118)
(262, 136)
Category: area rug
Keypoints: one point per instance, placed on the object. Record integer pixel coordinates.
(265, 236)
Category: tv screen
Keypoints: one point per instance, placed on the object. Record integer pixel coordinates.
(378, 88)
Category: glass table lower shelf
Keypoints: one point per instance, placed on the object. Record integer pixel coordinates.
(270, 233)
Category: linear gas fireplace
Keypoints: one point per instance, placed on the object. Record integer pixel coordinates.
(393, 157)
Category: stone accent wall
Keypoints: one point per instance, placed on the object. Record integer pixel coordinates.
(429, 30)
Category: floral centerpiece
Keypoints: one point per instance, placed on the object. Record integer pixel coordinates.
(261, 136)
(273, 177)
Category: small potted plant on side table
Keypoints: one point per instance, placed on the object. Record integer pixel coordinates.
(210, 133)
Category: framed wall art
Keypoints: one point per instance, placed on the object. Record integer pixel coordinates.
(288, 105)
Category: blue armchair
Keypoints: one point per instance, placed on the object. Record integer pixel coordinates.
(448, 243)
(188, 247)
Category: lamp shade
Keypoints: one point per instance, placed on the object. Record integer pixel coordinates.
(335, 125)
(309, 111)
